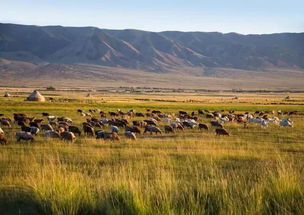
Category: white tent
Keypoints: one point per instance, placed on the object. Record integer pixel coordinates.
(36, 96)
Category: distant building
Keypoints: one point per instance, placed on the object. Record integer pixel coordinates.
(6, 94)
(36, 96)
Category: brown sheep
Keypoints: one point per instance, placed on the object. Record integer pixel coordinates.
(3, 139)
(150, 122)
(107, 135)
(152, 129)
(133, 129)
(203, 126)
(68, 136)
(221, 131)
(168, 129)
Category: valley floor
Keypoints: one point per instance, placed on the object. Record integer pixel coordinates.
(253, 171)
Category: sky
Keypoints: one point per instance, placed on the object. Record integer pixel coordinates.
(240, 16)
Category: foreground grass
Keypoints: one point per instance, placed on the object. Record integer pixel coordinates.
(255, 171)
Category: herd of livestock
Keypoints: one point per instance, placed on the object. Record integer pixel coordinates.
(133, 123)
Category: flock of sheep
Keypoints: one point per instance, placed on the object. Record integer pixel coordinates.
(133, 123)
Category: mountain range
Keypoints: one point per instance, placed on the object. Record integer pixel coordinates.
(45, 51)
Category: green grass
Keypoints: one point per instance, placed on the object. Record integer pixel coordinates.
(254, 171)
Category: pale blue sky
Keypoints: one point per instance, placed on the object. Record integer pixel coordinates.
(242, 16)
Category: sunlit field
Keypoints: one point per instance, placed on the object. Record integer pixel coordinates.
(255, 170)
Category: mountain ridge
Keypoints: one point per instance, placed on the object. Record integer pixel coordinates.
(89, 54)
(150, 51)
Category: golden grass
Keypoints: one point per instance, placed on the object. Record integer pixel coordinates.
(254, 171)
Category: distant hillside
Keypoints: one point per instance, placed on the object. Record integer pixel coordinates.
(148, 50)
(45, 51)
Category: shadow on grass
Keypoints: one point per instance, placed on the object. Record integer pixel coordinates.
(20, 202)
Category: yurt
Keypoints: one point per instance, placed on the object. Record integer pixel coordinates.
(7, 94)
(36, 96)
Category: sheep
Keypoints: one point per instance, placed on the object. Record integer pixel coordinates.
(52, 134)
(35, 124)
(107, 135)
(150, 122)
(46, 127)
(74, 129)
(221, 131)
(140, 114)
(33, 130)
(51, 118)
(168, 129)
(286, 122)
(152, 129)
(1, 131)
(130, 135)
(115, 129)
(5, 122)
(133, 129)
(68, 136)
(177, 126)
(188, 124)
(22, 135)
(88, 130)
(216, 123)
(3, 139)
(203, 126)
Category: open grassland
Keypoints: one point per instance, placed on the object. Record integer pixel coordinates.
(253, 171)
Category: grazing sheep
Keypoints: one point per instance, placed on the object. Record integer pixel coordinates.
(188, 124)
(68, 136)
(46, 127)
(168, 129)
(221, 131)
(177, 126)
(65, 119)
(52, 134)
(51, 118)
(140, 114)
(216, 123)
(150, 122)
(45, 114)
(209, 115)
(3, 139)
(107, 135)
(35, 124)
(203, 126)
(115, 129)
(133, 129)
(152, 129)
(74, 129)
(5, 122)
(34, 130)
(200, 111)
(88, 130)
(22, 135)
(130, 135)
(286, 122)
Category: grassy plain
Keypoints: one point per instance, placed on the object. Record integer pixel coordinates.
(253, 171)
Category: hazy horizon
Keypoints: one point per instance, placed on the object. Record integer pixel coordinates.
(258, 17)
